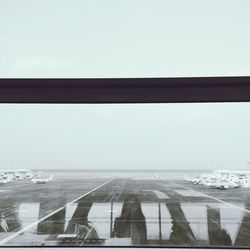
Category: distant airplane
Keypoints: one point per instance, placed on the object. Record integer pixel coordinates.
(42, 181)
(4, 179)
(223, 179)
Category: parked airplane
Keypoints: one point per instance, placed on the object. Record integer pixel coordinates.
(227, 184)
(224, 179)
(42, 181)
(4, 179)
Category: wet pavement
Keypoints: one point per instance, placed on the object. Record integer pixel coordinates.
(123, 212)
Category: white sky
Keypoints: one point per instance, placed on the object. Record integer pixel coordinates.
(124, 38)
(125, 136)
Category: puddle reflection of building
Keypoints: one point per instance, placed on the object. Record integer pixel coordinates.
(217, 235)
(181, 231)
(53, 224)
(131, 223)
(243, 238)
(158, 222)
(144, 222)
(3, 224)
(147, 222)
(9, 220)
(79, 223)
(68, 222)
(217, 223)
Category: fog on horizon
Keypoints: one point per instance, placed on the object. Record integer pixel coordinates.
(197, 136)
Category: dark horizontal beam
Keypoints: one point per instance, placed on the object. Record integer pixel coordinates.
(125, 90)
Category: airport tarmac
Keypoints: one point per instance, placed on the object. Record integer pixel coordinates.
(122, 212)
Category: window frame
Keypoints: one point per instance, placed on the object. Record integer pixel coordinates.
(125, 90)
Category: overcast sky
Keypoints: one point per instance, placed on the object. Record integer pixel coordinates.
(118, 38)
(124, 38)
(125, 136)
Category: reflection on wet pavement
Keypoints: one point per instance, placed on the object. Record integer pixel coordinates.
(131, 223)
(117, 214)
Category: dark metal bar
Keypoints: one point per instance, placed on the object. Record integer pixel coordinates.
(159, 217)
(125, 90)
(111, 220)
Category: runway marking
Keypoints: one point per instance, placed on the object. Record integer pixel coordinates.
(159, 194)
(12, 236)
(4, 190)
(214, 198)
(189, 193)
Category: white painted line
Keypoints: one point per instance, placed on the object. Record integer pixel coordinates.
(214, 198)
(14, 235)
(189, 193)
(4, 190)
(159, 194)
